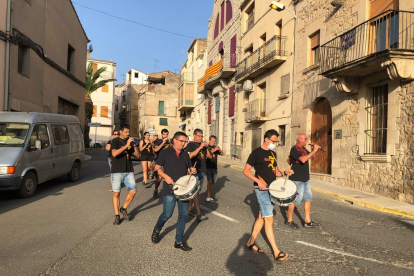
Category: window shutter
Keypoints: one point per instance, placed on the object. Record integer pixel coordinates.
(315, 41)
(229, 12)
(160, 107)
(377, 7)
(285, 84)
(105, 88)
(104, 111)
(232, 97)
(222, 17)
(233, 49)
(95, 109)
(209, 112)
(217, 105)
(216, 27)
(221, 46)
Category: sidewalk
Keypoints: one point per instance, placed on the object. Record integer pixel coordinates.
(379, 203)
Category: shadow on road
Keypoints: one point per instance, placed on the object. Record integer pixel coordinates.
(138, 209)
(284, 210)
(244, 262)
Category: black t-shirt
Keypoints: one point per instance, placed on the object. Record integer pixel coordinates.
(200, 158)
(148, 150)
(211, 163)
(174, 166)
(121, 163)
(301, 169)
(265, 164)
(159, 142)
(110, 153)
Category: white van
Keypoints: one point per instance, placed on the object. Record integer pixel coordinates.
(36, 147)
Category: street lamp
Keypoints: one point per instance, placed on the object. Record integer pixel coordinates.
(280, 7)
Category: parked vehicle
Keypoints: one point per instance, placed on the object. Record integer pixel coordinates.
(36, 147)
(133, 157)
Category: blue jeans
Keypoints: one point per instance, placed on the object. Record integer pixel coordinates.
(200, 177)
(265, 203)
(110, 165)
(167, 211)
(127, 178)
(304, 192)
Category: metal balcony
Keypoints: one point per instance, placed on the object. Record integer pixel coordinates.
(271, 54)
(223, 67)
(256, 111)
(371, 47)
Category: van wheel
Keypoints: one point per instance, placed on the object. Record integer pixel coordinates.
(29, 185)
(73, 176)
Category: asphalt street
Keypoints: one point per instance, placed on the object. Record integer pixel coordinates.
(66, 229)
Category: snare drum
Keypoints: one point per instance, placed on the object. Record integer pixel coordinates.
(284, 194)
(185, 191)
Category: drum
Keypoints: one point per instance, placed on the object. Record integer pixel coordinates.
(184, 191)
(284, 194)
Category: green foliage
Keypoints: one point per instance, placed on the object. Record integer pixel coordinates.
(92, 83)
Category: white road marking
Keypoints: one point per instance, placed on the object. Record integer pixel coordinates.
(353, 256)
(218, 214)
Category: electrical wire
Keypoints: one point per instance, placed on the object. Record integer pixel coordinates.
(134, 22)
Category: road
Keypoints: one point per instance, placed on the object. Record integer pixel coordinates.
(66, 229)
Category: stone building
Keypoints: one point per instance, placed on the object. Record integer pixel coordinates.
(103, 103)
(46, 45)
(265, 76)
(218, 82)
(353, 92)
(191, 104)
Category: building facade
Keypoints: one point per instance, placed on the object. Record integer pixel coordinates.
(353, 92)
(47, 59)
(103, 103)
(218, 82)
(191, 104)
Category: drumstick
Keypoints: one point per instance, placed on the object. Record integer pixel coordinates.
(179, 185)
(276, 190)
(191, 173)
(287, 177)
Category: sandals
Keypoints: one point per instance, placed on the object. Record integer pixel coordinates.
(281, 257)
(292, 224)
(259, 250)
(311, 224)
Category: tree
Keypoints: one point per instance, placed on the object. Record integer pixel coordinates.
(92, 83)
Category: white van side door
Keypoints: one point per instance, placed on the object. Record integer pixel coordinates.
(40, 152)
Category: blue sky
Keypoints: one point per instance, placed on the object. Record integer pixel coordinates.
(134, 46)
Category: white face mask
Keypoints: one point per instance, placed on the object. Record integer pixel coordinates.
(271, 146)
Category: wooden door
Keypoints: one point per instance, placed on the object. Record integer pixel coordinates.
(322, 135)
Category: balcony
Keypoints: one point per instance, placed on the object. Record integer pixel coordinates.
(222, 68)
(271, 54)
(185, 77)
(256, 111)
(384, 42)
(186, 96)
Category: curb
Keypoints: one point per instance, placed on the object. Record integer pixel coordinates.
(342, 198)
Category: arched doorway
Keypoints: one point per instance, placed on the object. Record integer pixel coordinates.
(322, 135)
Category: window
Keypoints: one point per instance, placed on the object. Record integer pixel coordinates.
(377, 114)
(217, 105)
(279, 41)
(116, 105)
(285, 84)
(209, 112)
(94, 68)
(315, 49)
(67, 107)
(95, 110)
(163, 121)
(241, 139)
(71, 59)
(39, 139)
(136, 75)
(282, 135)
(161, 107)
(250, 17)
(232, 96)
(105, 88)
(60, 134)
(23, 66)
(104, 111)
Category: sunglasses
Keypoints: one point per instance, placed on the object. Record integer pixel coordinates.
(115, 134)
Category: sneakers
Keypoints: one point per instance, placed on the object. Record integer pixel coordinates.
(311, 224)
(182, 246)
(209, 199)
(155, 237)
(117, 220)
(292, 224)
(190, 213)
(124, 213)
(155, 194)
(201, 218)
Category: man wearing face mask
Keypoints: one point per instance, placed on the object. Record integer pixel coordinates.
(263, 160)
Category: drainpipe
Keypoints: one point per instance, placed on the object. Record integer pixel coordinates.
(7, 73)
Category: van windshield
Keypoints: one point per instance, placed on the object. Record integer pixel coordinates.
(13, 134)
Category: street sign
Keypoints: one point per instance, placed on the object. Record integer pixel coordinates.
(94, 124)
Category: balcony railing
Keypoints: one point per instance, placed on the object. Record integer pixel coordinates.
(250, 22)
(256, 111)
(266, 55)
(390, 31)
(223, 67)
(185, 77)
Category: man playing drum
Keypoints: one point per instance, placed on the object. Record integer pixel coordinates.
(263, 159)
(175, 163)
(299, 157)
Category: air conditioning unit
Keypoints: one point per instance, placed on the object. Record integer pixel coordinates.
(248, 85)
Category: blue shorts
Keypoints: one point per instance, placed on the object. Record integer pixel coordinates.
(304, 192)
(200, 177)
(127, 179)
(211, 175)
(265, 203)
